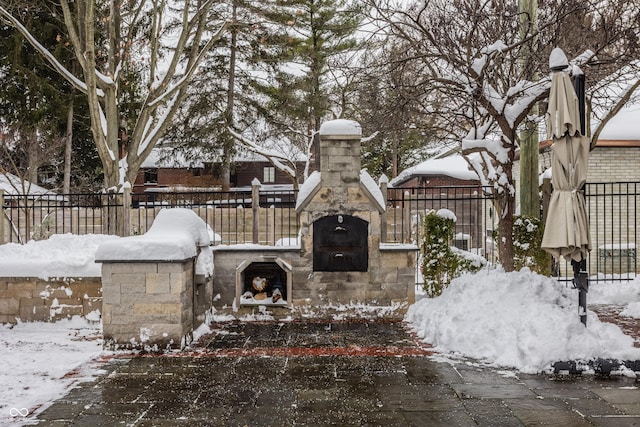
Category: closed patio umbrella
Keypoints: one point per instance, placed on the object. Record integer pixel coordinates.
(566, 231)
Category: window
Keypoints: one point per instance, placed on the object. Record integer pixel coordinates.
(269, 174)
(151, 176)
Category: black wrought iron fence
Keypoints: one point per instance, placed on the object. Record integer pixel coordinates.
(613, 224)
(264, 217)
(472, 206)
(269, 217)
(36, 217)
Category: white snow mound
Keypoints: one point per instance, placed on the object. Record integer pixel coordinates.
(521, 320)
(175, 235)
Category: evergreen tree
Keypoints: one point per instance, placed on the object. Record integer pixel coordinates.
(299, 90)
(391, 101)
(34, 102)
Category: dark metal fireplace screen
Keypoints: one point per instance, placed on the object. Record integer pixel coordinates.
(340, 243)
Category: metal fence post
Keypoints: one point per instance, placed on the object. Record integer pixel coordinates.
(406, 219)
(1, 216)
(384, 188)
(126, 212)
(255, 208)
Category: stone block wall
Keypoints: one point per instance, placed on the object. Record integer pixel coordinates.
(148, 304)
(390, 280)
(30, 299)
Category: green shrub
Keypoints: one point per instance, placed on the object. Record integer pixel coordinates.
(527, 242)
(441, 263)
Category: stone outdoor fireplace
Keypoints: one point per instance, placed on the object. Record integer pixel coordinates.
(341, 258)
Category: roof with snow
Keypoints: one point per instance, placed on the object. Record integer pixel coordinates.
(454, 166)
(14, 186)
(623, 126)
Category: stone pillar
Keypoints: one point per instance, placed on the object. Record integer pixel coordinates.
(148, 305)
(340, 157)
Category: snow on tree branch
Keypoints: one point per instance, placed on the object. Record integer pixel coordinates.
(275, 158)
(12, 21)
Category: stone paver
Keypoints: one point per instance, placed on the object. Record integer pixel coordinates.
(323, 373)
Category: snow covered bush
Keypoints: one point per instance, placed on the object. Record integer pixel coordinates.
(441, 263)
(527, 242)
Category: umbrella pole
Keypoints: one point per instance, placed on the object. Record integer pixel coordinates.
(581, 281)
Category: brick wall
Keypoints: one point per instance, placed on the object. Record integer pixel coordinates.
(610, 164)
(31, 299)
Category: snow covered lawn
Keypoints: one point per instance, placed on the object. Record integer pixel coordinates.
(39, 361)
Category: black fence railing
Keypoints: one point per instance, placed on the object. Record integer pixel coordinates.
(614, 227)
(36, 217)
(471, 205)
(264, 217)
(269, 217)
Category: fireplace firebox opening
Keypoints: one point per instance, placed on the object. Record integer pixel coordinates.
(263, 282)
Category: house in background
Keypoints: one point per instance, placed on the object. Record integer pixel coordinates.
(447, 170)
(13, 186)
(165, 171)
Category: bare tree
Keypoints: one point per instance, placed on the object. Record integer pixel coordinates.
(474, 57)
(112, 36)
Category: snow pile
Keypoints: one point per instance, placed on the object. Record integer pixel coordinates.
(41, 360)
(175, 235)
(447, 214)
(616, 293)
(520, 320)
(61, 255)
(632, 310)
(341, 127)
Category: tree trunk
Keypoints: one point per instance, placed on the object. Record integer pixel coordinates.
(66, 182)
(505, 231)
(228, 142)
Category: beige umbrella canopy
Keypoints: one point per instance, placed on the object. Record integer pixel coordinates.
(567, 229)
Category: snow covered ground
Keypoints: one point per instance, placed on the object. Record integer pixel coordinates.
(519, 320)
(39, 361)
